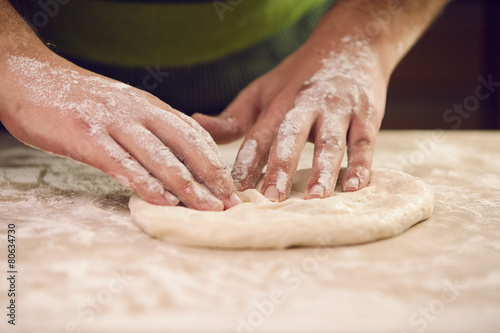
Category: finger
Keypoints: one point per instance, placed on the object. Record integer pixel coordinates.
(206, 136)
(208, 139)
(160, 107)
(329, 147)
(202, 160)
(254, 151)
(119, 165)
(160, 110)
(235, 120)
(285, 153)
(164, 166)
(360, 149)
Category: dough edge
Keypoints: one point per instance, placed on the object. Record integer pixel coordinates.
(241, 228)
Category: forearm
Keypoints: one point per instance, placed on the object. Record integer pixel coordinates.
(16, 39)
(16, 36)
(391, 27)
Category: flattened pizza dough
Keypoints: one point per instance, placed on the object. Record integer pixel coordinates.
(392, 203)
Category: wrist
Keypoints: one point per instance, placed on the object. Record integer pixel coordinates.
(11, 98)
(389, 28)
(16, 36)
(369, 56)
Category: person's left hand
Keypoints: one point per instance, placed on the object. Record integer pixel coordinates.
(332, 98)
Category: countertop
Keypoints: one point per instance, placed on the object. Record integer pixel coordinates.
(84, 266)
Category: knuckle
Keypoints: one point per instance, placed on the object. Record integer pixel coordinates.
(358, 164)
(239, 129)
(221, 175)
(332, 144)
(150, 197)
(276, 166)
(80, 125)
(184, 185)
(361, 144)
(264, 136)
(176, 175)
(276, 109)
(147, 183)
(233, 124)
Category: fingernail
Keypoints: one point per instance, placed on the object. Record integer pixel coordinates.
(172, 200)
(235, 199)
(214, 203)
(206, 200)
(352, 184)
(272, 193)
(318, 191)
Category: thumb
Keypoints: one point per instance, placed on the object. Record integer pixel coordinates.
(234, 121)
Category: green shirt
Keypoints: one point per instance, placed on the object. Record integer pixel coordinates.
(196, 55)
(165, 33)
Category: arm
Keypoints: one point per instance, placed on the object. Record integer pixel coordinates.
(331, 92)
(49, 103)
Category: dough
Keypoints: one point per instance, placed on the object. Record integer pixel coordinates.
(392, 203)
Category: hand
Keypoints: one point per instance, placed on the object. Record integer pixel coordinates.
(332, 98)
(161, 154)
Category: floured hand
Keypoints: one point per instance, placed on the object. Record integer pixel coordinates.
(333, 98)
(163, 155)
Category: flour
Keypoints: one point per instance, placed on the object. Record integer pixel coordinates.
(289, 130)
(359, 174)
(325, 92)
(281, 181)
(25, 176)
(326, 170)
(244, 160)
(141, 175)
(39, 185)
(215, 158)
(354, 182)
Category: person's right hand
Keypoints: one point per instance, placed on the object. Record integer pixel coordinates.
(160, 153)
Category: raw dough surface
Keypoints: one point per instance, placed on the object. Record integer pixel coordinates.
(392, 203)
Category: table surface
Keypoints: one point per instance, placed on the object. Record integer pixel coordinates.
(84, 265)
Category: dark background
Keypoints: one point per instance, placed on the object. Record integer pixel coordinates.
(443, 69)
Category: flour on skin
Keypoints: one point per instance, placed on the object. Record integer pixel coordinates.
(101, 103)
(335, 92)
